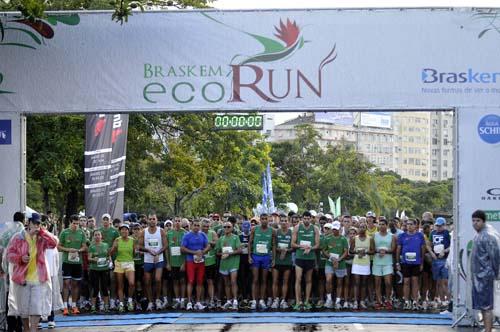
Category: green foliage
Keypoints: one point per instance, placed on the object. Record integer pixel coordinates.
(314, 174)
(122, 9)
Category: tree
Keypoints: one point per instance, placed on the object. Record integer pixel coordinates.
(34, 10)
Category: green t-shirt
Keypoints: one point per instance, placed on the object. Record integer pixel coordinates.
(101, 253)
(321, 259)
(283, 241)
(225, 242)
(306, 235)
(210, 258)
(174, 239)
(262, 243)
(138, 255)
(109, 235)
(72, 239)
(125, 250)
(335, 245)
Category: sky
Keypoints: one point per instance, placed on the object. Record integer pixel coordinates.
(276, 4)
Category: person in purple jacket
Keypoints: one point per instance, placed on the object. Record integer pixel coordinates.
(409, 258)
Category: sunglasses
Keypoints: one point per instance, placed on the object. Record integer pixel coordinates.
(227, 226)
(185, 226)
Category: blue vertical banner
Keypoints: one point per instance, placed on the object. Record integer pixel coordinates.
(264, 192)
(5, 132)
(270, 189)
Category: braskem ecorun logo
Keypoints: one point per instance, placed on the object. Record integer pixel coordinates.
(431, 75)
(489, 129)
(5, 132)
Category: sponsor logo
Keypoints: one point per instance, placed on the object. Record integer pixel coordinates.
(431, 75)
(265, 74)
(492, 215)
(488, 129)
(491, 194)
(117, 128)
(99, 126)
(5, 132)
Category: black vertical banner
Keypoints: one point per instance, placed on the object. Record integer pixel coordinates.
(105, 154)
(117, 172)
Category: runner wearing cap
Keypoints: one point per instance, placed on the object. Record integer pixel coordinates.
(245, 273)
(262, 250)
(335, 249)
(348, 289)
(410, 252)
(385, 245)
(439, 248)
(72, 242)
(229, 248)
(153, 242)
(306, 241)
(195, 245)
(283, 264)
(124, 247)
(371, 227)
(361, 249)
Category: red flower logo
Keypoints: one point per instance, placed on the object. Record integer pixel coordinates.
(288, 33)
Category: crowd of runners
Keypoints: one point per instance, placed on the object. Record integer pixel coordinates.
(271, 262)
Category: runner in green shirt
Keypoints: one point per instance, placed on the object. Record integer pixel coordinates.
(99, 270)
(72, 242)
(210, 261)
(175, 262)
(305, 240)
(283, 263)
(335, 249)
(229, 249)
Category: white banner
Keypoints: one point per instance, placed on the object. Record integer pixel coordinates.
(11, 166)
(250, 60)
(478, 183)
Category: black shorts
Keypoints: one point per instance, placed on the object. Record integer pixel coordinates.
(177, 274)
(211, 272)
(72, 271)
(282, 268)
(410, 270)
(305, 264)
(321, 273)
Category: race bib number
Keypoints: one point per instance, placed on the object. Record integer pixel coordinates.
(411, 256)
(334, 256)
(153, 243)
(227, 250)
(244, 249)
(382, 249)
(74, 257)
(305, 243)
(438, 248)
(102, 261)
(261, 248)
(175, 251)
(198, 259)
(283, 245)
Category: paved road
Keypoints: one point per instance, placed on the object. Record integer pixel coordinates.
(271, 328)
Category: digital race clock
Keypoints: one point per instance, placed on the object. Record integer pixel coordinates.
(238, 122)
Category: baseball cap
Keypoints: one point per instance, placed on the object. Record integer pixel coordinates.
(124, 225)
(328, 225)
(106, 215)
(313, 213)
(336, 225)
(328, 216)
(440, 221)
(35, 217)
(370, 214)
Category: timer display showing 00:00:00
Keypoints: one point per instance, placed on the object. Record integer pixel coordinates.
(238, 121)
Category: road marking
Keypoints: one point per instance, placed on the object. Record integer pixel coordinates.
(144, 327)
(358, 326)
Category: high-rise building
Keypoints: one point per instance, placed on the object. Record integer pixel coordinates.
(442, 145)
(412, 149)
